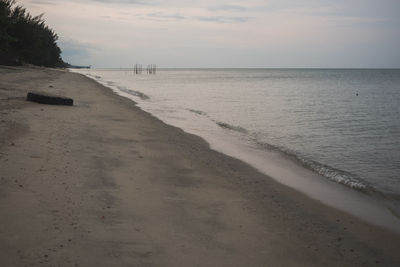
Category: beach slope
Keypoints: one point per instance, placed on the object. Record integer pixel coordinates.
(102, 183)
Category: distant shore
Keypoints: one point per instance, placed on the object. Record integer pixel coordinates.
(103, 183)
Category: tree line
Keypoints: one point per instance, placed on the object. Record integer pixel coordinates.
(26, 39)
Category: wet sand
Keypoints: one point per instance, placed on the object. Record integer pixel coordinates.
(103, 183)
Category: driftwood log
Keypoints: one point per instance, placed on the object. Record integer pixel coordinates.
(44, 98)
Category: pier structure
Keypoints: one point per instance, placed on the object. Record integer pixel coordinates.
(150, 69)
(137, 69)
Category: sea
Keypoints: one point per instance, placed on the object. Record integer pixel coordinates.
(343, 125)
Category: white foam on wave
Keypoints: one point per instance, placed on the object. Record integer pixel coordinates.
(231, 127)
(133, 92)
(337, 176)
(333, 174)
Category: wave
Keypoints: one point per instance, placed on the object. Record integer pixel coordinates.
(331, 173)
(93, 76)
(110, 83)
(198, 112)
(133, 92)
(231, 127)
(336, 175)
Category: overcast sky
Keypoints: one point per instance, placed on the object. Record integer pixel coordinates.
(220, 33)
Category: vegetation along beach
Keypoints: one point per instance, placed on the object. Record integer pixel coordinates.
(201, 133)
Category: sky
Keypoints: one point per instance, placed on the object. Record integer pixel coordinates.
(225, 33)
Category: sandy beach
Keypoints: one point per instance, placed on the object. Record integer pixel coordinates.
(102, 183)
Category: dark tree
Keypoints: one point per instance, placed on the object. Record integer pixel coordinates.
(26, 39)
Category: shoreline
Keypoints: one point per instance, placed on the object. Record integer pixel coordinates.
(104, 183)
(283, 168)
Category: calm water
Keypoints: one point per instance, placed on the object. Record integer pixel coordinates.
(342, 124)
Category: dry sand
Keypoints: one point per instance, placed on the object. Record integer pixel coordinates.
(103, 183)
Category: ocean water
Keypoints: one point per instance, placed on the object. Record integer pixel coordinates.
(343, 124)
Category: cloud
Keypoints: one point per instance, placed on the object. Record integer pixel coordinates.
(118, 2)
(222, 19)
(162, 15)
(129, 2)
(177, 17)
(235, 8)
(43, 2)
